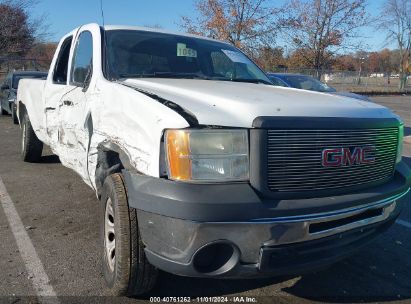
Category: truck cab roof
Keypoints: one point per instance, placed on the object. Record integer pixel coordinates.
(140, 28)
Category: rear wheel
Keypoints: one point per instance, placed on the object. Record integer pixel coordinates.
(31, 146)
(126, 269)
(3, 112)
(14, 114)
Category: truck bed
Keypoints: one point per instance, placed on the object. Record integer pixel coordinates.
(30, 93)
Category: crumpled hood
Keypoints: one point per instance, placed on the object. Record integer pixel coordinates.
(235, 104)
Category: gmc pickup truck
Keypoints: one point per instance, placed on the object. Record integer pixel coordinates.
(202, 166)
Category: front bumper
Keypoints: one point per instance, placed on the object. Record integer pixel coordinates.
(179, 223)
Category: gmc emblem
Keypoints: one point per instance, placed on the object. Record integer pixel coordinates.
(340, 157)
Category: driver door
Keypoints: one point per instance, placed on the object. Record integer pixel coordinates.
(73, 110)
(56, 88)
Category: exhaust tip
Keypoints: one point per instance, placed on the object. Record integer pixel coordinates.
(216, 258)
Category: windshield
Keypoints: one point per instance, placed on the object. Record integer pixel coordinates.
(141, 54)
(17, 78)
(307, 83)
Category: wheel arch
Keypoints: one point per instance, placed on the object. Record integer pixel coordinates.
(21, 110)
(111, 158)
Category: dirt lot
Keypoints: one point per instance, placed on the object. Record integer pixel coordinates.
(60, 214)
(368, 84)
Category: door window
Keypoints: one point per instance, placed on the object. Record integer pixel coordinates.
(61, 68)
(81, 70)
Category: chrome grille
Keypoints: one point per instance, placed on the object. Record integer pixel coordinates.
(295, 158)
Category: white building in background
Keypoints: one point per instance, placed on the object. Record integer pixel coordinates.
(328, 77)
(377, 75)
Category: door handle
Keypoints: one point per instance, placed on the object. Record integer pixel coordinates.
(67, 103)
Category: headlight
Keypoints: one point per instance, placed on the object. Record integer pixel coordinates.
(207, 155)
(400, 142)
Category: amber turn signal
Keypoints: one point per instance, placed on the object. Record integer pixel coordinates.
(179, 163)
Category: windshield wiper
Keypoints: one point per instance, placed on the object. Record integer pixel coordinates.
(165, 75)
(250, 80)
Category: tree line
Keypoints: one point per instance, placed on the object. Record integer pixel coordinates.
(377, 62)
(318, 34)
(23, 36)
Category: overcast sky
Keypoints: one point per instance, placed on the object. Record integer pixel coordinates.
(63, 16)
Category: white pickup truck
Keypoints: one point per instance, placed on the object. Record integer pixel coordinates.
(205, 169)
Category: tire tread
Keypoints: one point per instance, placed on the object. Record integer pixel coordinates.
(134, 275)
(33, 147)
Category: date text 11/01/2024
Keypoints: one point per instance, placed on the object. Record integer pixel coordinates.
(223, 299)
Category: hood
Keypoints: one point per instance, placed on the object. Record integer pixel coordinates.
(353, 95)
(226, 103)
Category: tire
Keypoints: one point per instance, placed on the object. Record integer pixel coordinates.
(31, 146)
(3, 112)
(129, 273)
(14, 117)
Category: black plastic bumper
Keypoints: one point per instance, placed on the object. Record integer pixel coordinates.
(292, 259)
(306, 256)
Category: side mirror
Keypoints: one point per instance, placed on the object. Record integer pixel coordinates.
(79, 75)
(82, 76)
(5, 86)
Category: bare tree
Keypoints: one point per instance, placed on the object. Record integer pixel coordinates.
(247, 24)
(18, 29)
(395, 19)
(319, 29)
(42, 53)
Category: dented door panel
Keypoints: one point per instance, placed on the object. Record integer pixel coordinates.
(72, 136)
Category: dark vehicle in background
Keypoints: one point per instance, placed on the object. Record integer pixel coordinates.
(306, 82)
(9, 90)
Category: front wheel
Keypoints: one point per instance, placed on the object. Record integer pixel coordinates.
(126, 269)
(31, 146)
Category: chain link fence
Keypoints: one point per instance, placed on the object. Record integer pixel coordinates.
(355, 81)
(8, 64)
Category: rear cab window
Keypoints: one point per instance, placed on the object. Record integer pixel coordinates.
(61, 67)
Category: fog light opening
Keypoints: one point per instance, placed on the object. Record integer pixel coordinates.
(216, 258)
